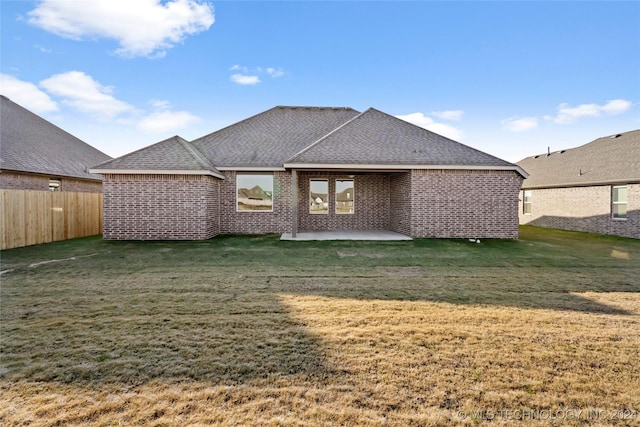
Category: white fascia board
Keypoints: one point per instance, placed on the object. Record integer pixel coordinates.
(251, 169)
(404, 167)
(155, 172)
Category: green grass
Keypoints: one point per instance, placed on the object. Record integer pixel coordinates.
(251, 330)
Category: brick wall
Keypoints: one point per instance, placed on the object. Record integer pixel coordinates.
(160, 207)
(371, 203)
(422, 203)
(277, 221)
(25, 181)
(400, 203)
(583, 209)
(465, 203)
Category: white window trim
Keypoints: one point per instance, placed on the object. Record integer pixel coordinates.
(524, 202)
(614, 203)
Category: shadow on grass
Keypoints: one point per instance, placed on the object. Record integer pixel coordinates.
(210, 311)
(165, 329)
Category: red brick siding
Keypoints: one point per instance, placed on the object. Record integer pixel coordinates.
(160, 207)
(371, 203)
(464, 203)
(277, 221)
(583, 209)
(26, 181)
(400, 203)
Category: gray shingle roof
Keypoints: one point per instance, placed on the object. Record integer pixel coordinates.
(29, 143)
(377, 138)
(172, 154)
(607, 160)
(310, 136)
(268, 139)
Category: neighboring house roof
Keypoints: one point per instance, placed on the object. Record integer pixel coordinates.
(377, 138)
(607, 160)
(171, 155)
(29, 143)
(315, 137)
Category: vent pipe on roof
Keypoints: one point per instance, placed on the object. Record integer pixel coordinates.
(548, 151)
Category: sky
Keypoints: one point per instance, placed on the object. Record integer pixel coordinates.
(513, 79)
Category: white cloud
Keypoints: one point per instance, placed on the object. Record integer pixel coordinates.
(83, 93)
(567, 114)
(275, 73)
(243, 79)
(428, 123)
(519, 124)
(26, 94)
(449, 114)
(166, 121)
(247, 76)
(141, 27)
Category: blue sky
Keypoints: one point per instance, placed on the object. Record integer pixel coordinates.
(508, 78)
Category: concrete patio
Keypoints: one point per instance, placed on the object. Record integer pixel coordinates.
(346, 235)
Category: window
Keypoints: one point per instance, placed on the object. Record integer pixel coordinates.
(254, 192)
(319, 196)
(619, 202)
(344, 196)
(54, 185)
(526, 202)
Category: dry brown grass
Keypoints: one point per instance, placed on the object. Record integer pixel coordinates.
(250, 331)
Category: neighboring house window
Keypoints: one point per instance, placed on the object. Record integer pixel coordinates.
(319, 196)
(254, 192)
(526, 202)
(54, 185)
(619, 201)
(344, 196)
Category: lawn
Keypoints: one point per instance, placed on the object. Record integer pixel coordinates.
(248, 330)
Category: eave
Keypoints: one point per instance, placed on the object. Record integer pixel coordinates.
(156, 172)
(396, 167)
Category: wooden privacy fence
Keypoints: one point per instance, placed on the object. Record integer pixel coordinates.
(32, 217)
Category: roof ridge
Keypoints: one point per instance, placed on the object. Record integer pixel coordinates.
(195, 153)
(326, 136)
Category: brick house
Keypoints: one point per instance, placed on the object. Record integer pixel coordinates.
(37, 155)
(293, 169)
(593, 188)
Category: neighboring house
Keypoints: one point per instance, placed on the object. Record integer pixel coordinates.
(293, 169)
(594, 187)
(37, 155)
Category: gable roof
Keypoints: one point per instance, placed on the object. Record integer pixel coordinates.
(173, 155)
(607, 160)
(377, 138)
(308, 137)
(29, 143)
(268, 139)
